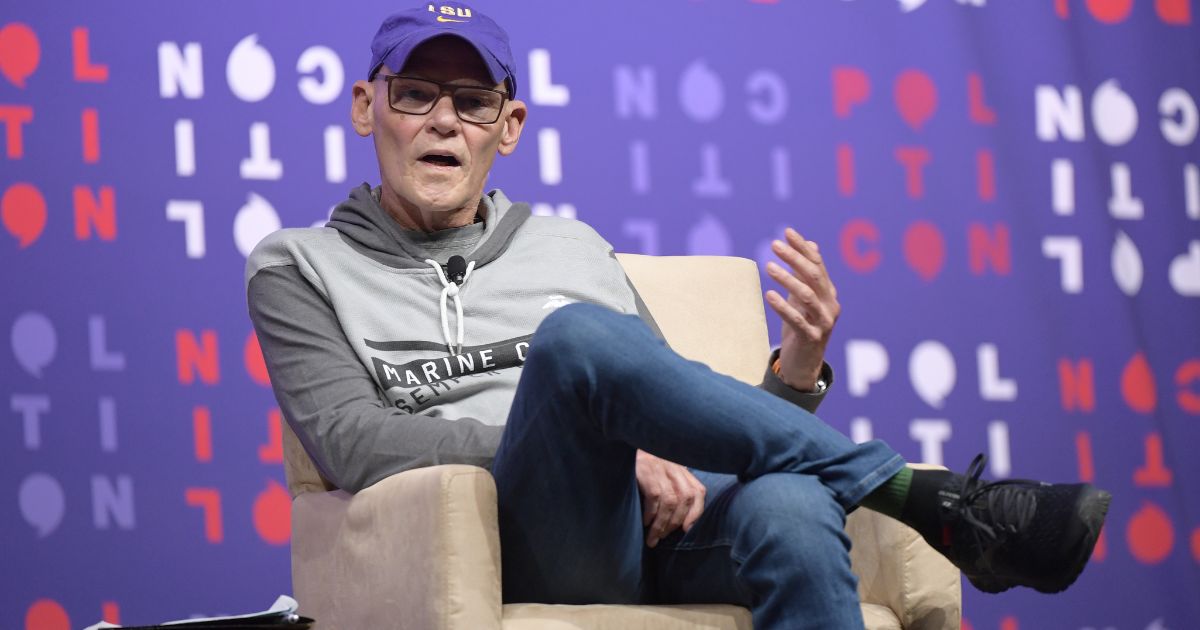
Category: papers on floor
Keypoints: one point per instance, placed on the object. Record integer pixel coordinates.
(282, 611)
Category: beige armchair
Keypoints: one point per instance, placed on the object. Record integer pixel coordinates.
(421, 549)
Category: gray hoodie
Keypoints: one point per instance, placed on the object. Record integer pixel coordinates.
(381, 363)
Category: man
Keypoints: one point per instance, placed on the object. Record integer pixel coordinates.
(402, 335)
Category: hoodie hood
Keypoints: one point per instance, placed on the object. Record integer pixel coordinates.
(368, 228)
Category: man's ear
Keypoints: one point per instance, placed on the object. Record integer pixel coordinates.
(514, 122)
(360, 108)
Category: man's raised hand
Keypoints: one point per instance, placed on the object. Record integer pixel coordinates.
(808, 312)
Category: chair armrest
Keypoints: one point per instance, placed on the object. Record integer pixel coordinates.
(898, 569)
(420, 549)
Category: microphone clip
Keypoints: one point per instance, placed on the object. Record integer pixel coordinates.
(456, 269)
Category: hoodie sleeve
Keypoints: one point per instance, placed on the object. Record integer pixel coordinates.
(809, 401)
(331, 402)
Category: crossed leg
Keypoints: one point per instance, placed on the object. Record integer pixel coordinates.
(596, 387)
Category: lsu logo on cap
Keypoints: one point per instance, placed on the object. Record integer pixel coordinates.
(448, 13)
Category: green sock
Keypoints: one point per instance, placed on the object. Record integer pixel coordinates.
(889, 498)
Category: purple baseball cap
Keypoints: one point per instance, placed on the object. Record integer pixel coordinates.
(402, 32)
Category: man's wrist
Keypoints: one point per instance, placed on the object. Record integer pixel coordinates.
(815, 385)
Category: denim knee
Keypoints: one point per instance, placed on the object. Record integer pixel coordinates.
(567, 325)
(582, 332)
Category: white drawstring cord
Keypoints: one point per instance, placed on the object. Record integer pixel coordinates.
(451, 290)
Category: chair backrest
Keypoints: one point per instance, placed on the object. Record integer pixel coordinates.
(709, 309)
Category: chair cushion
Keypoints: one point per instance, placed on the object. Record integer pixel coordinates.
(877, 617)
(705, 617)
(603, 617)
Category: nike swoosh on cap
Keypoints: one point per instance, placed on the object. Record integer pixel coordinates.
(442, 18)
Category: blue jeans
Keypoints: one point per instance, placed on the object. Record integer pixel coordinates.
(596, 387)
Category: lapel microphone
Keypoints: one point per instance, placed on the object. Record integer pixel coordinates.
(456, 269)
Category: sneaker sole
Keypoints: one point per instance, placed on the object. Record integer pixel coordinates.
(988, 584)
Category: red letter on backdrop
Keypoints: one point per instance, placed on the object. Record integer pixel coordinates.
(1110, 11)
(256, 366)
(925, 249)
(1083, 452)
(90, 121)
(1174, 11)
(209, 501)
(272, 451)
(914, 159)
(993, 248)
(850, 87)
(845, 170)
(85, 70)
(1188, 373)
(977, 108)
(190, 359)
(1155, 472)
(110, 612)
(273, 514)
(1087, 474)
(100, 213)
(1137, 385)
(1150, 534)
(1077, 385)
(986, 166)
(860, 258)
(13, 116)
(202, 433)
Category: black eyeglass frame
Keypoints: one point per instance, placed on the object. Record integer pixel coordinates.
(444, 88)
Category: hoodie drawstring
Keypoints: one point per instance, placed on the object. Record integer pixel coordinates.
(451, 290)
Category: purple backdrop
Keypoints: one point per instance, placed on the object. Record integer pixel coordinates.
(1007, 195)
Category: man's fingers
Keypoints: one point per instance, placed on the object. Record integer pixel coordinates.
(819, 309)
(797, 289)
(661, 526)
(671, 496)
(804, 259)
(679, 516)
(680, 505)
(673, 519)
(820, 313)
(796, 259)
(792, 316)
(804, 246)
(805, 271)
(693, 514)
(682, 480)
(812, 251)
(668, 503)
(650, 496)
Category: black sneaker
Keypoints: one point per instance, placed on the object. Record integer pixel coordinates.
(1017, 532)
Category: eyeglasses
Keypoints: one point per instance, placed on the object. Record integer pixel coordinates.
(418, 96)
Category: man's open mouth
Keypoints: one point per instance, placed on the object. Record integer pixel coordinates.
(440, 160)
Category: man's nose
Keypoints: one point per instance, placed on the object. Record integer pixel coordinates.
(442, 117)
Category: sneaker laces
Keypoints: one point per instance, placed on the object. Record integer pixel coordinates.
(995, 509)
